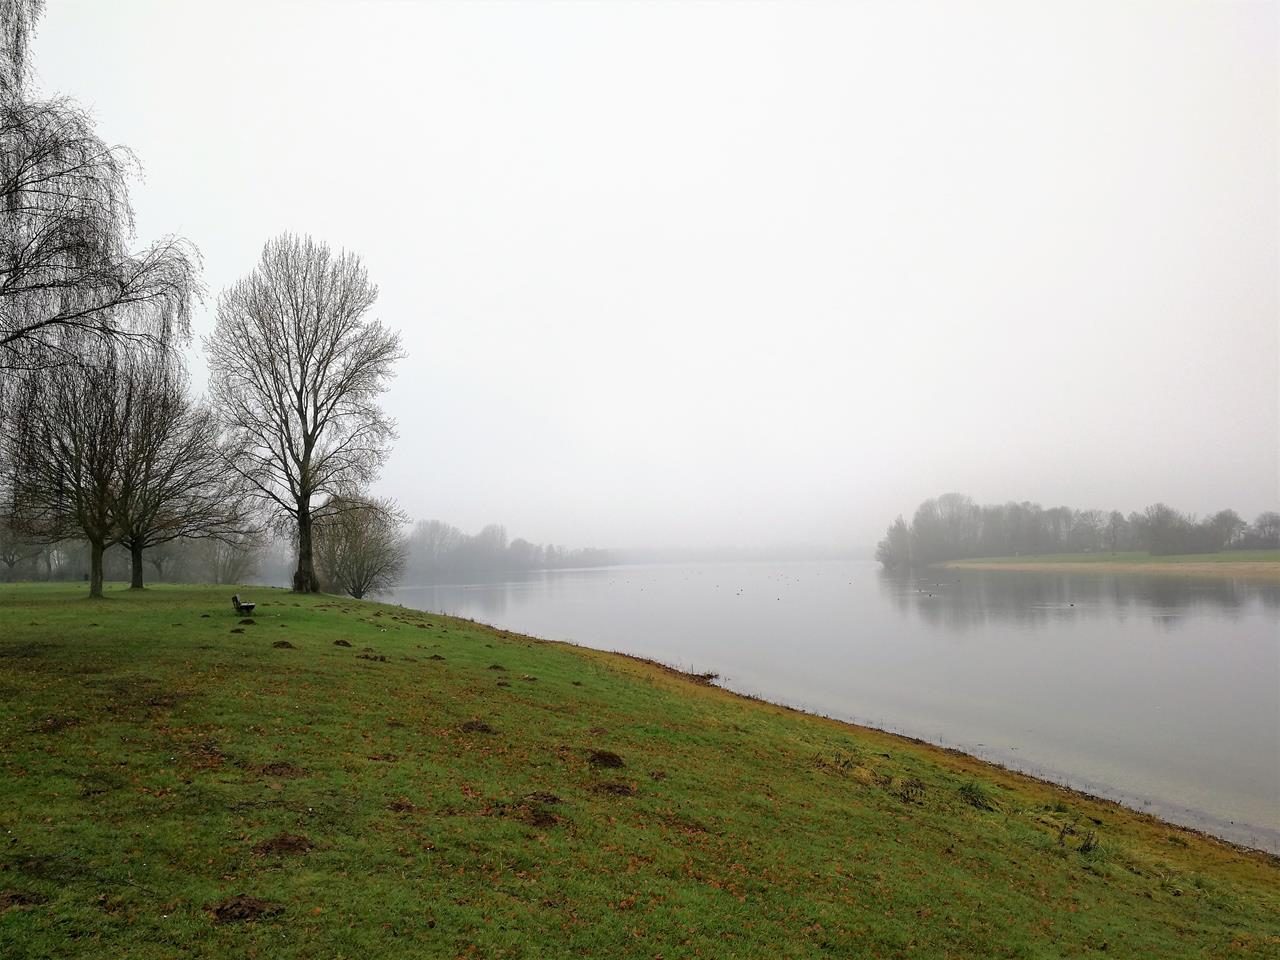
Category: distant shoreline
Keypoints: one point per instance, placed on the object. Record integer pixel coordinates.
(1259, 565)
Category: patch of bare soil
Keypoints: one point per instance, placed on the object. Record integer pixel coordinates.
(54, 724)
(476, 726)
(657, 774)
(248, 622)
(283, 845)
(435, 656)
(614, 788)
(17, 899)
(243, 907)
(237, 629)
(605, 758)
(342, 643)
(205, 755)
(375, 657)
(284, 645)
(402, 805)
(496, 666)
(537, 817)
(504, 683)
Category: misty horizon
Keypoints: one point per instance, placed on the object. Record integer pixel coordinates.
(864, 256)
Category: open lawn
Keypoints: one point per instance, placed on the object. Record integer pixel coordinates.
(342, 779)
(1251, 564)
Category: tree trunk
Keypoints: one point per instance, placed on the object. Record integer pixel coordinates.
(95, 570)
(135, 559)
(304, 578)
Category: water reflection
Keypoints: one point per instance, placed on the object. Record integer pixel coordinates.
(968, 599)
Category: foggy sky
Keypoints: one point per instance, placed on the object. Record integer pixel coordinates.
(735, 274)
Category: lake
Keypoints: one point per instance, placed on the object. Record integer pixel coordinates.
(1162, 693)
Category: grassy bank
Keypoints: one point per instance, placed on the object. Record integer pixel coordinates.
(176, 782)
(1251, 564)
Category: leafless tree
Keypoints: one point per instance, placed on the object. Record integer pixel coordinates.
(66, 224)
(232, 559)
(296, 370)
(172, 482)
(360, 547)
(63, 453)
(14, 547)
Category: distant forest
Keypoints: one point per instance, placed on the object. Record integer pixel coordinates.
(437, 552)
(434, 552)
(953, 527)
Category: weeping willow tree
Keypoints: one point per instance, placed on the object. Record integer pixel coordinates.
(67, 269)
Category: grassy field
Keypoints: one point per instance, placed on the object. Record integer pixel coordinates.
(346, 780)
(1253, 564)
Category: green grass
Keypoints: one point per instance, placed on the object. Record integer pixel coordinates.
(1225, 556)
(147, 751)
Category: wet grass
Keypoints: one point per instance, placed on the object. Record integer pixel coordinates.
(174, 788)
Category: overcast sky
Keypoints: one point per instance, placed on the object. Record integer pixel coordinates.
(739, 274)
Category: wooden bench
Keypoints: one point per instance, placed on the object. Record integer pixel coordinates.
(242, 607)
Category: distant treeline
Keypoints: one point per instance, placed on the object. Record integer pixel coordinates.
(953, 527)
(438, 552)
(435, 552)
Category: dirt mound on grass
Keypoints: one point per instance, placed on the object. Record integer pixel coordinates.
(243, 907)
(248, 622)
(614, 788)
(284, 645)
(605, 758)
(282, 845)
(16, 899)
(476, 726)
(342, 643)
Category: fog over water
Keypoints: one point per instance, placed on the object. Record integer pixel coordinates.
(730, 275)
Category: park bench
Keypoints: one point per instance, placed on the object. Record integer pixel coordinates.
(242, 608)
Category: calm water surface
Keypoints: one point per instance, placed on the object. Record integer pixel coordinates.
(1163, 693)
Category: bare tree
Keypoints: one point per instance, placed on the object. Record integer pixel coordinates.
(360, 546)
(63, 453)
(14, 547)
(232, 559)
(172, 483)
(296, 370)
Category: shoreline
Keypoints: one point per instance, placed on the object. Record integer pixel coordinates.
(1263, 570)
(966, 762)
